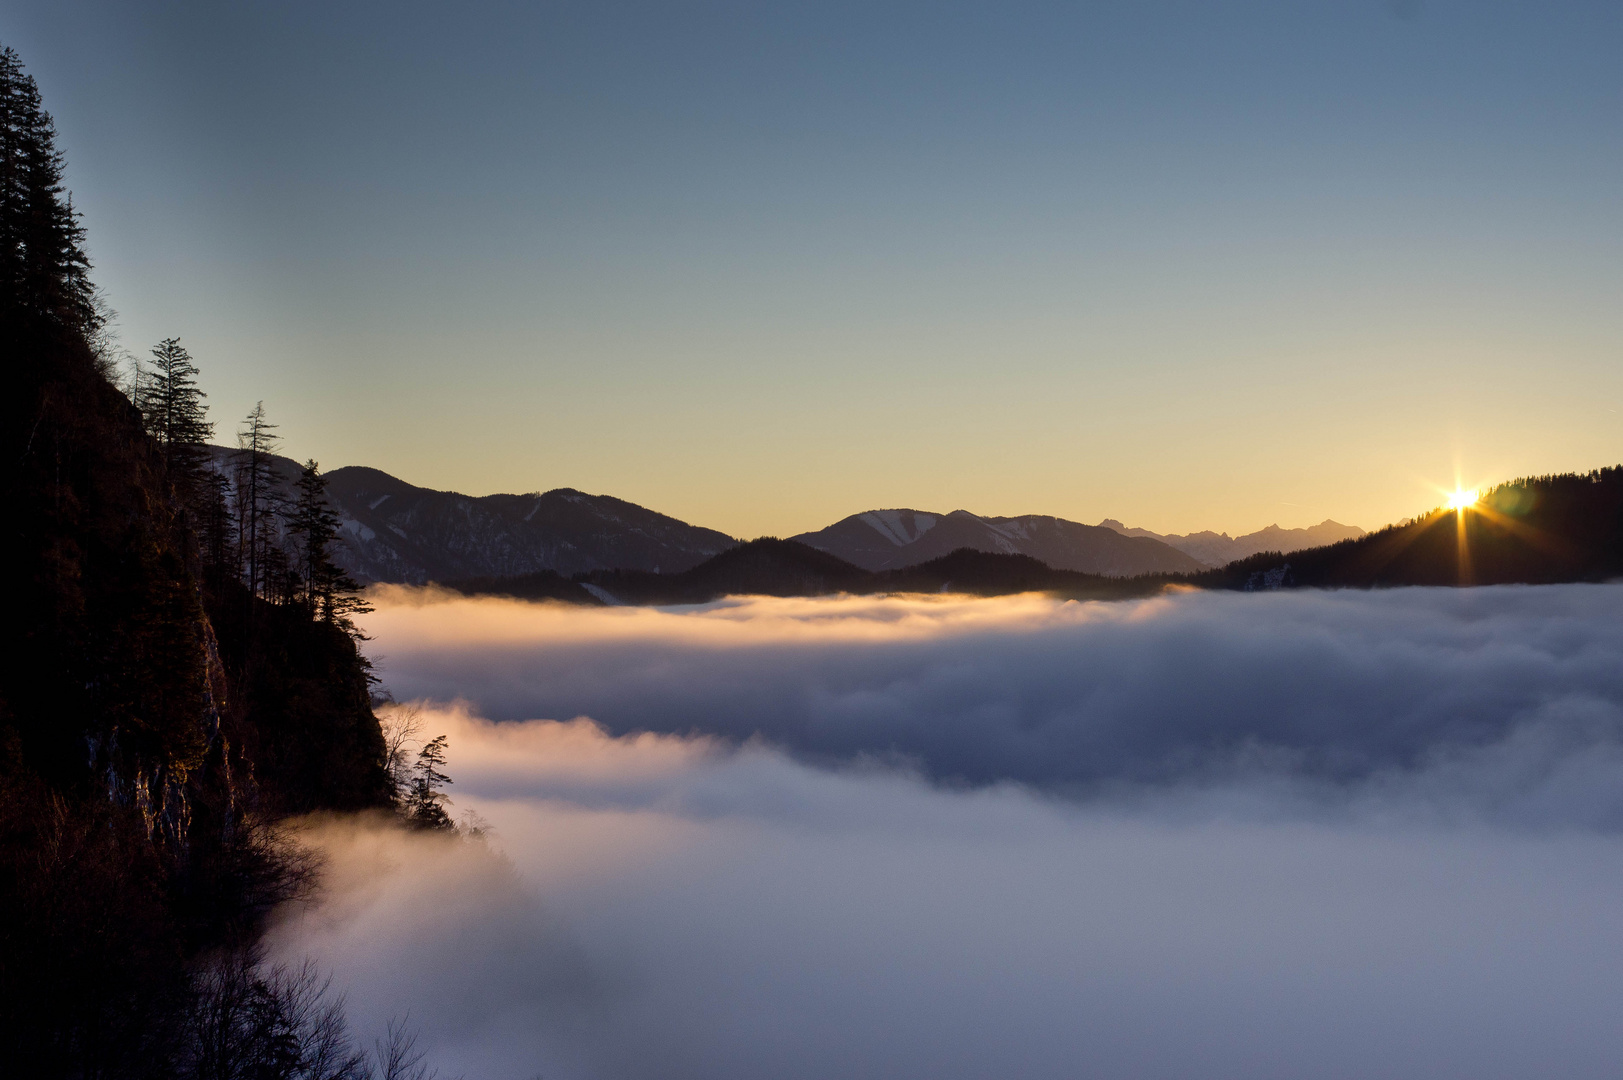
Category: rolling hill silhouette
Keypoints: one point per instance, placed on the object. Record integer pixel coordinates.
(1533, 531)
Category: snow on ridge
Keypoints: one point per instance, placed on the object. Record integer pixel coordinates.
(889, 524)
(603, 594)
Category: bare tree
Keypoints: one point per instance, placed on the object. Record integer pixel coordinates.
(250, 1021)
(398, 1057)
(400, 724)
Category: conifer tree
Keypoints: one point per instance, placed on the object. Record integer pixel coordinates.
(425, 802)
(257, 498)
(328, 592)
(216, 531)
(44, 271)
(172, 406)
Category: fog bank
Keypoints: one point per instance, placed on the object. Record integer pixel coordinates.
(1341, 835)
(1512, 692)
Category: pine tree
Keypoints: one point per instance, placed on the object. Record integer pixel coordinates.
(328, 592)
(425, 802)
(44, 271)
(216, 531)
(257, 499)
(172, 406)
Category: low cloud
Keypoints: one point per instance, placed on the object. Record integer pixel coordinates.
(1510, 696)
(1404, 861)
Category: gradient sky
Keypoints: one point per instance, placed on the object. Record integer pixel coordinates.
(762, 266)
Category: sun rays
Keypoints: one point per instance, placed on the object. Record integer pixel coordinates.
(1462, 498)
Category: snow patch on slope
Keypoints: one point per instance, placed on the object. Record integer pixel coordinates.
(891, 525)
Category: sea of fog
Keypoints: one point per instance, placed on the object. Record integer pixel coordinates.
(1338, 834)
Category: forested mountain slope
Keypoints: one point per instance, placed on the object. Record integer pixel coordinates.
(772, 567)
(171, 681)
(397, 532)
(1539, 530)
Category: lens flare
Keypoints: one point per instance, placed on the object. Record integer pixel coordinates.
(1459, 500)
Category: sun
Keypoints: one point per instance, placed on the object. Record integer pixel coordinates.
(1459, 500)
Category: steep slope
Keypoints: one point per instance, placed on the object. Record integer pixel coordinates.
(152, 721)
(891, 539)
(397, 532)
(1219, 549)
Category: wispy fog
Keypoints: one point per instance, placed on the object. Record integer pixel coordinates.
(1352, 834)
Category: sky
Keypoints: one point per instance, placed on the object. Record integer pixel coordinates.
(759, 267)
(1337, 834)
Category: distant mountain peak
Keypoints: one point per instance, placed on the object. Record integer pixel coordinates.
(1220, 549)
(391, 530)
(900, 527)
(896, 538)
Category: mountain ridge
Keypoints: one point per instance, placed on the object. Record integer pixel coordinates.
(893, 539)
(391, 530)
(1216, 549)
(397, 532)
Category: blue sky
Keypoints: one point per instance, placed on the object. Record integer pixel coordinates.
(760, 266)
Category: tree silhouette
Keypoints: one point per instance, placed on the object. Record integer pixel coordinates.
(257, 497)
(425, 802)
(172, 408)
(44, 271)
(327, 591)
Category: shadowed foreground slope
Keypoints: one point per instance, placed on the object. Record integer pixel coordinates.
(157, 714)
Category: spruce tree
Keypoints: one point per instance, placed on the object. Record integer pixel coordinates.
(328, 592)
(44, 271)
(257, 498)
(172, 406)
(215, 527)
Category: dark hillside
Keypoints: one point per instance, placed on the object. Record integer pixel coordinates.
(301, 709)
(395, 531)
(152, 726)
(771, 567)
(1534, 531)
(541, 585)
(987, 574)
(764, 567)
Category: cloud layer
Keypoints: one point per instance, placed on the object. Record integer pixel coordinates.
(1403, 863)
(1516, 687)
